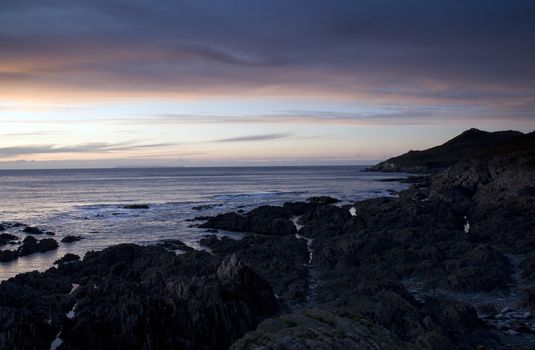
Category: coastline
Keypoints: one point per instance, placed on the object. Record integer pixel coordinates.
(392, 273)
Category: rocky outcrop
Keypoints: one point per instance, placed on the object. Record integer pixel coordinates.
(469, 144)
(279, 260)
(320, 329)
(132, 297)
(265, 220)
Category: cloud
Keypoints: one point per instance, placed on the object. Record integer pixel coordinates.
(33, 133)
(376, 49)
(95, 147)
(254, 138)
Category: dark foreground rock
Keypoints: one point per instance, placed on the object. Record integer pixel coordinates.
(279, 260)
(132, 297)
(320, 329)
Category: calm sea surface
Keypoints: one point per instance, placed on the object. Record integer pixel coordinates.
(90, 202)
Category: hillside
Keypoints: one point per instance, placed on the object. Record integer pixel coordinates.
(471, 143)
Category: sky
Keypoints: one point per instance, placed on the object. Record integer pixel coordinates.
(103, 83)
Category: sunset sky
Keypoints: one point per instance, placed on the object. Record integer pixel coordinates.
(89, 83)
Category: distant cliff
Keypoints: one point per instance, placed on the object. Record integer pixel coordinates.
(470, 144)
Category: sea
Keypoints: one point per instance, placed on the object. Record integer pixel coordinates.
(91, 202)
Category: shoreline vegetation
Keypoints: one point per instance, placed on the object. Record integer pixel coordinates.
(447, 264)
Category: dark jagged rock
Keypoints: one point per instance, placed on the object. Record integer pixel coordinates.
(9, 237)
(320, 329)
(67, 258)
(136, 206)
(30, 245)
(469, 144)
(175, 244)
(323, 220)
(50, 233)
(70, 239)
(279, 260)
(2, 227)
(267, 220)
(6, 238)
(190, 301)
(32, 230)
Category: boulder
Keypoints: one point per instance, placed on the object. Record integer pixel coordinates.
(32, 230)
(70, 239)
(30, 245)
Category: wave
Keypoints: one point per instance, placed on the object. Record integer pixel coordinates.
(254, 195)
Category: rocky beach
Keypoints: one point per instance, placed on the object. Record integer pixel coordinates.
(448, 263)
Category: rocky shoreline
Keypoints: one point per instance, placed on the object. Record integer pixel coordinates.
(447, 264)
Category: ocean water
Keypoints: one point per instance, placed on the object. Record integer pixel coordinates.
(89, 202)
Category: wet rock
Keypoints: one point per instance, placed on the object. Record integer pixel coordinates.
(8, 255)
(70, 239)
(67, 258)
(50, 233)
(2, 228)
(136, 206)
(32, 230)
(30, 245)
(6, 238)
(9, 237)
